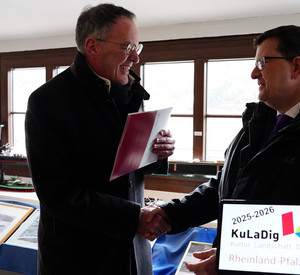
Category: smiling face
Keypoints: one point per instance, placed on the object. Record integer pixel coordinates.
(277, 82)
(110, 60)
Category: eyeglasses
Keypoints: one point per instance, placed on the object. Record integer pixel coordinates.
(260, 63)
(129, 48)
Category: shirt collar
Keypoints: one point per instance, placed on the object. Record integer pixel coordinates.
(108, 82)
(294, 111)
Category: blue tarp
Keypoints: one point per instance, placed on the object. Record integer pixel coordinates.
(168, 250)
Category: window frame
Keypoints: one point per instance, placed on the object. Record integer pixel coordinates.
(50, 59)
(199, 50)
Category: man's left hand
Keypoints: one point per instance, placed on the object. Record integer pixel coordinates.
(163, 146)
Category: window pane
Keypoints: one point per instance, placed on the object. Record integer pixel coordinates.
(170, 85)
(220, 132)
(182, 131)
(23, 82)
(229, 86)
(59, 69)
(18, 133)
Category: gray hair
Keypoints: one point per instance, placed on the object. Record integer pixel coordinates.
(98, 21)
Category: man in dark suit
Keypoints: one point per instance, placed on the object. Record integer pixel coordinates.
(263, 160)
(74, 123)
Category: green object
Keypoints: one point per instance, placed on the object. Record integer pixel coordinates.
(16, 184)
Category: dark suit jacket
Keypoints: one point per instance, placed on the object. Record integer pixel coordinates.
(87, 223)
(255, 168)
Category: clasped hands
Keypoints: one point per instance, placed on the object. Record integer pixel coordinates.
(153, 222)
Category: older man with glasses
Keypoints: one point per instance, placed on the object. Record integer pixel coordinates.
(74, 123)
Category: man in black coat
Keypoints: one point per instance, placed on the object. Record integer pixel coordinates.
(259, 164)
(74, 123)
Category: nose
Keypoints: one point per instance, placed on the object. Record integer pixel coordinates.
(255, 73)
(134, 57)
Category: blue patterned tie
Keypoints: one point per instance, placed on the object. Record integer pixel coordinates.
(282, 121)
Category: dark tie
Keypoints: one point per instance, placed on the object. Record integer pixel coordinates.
(282, 121)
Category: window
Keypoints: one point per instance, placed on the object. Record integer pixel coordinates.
(195, 76)
(195, 131)
(21, 74)
(229, 88)
(23, 82)
(171, 84)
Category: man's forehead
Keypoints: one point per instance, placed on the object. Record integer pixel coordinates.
(267, 48)
(123, 28)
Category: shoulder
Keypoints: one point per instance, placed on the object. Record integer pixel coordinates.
(258, 109)
(56, 87)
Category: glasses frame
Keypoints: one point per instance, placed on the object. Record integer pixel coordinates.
(260, 63)
(129, 48)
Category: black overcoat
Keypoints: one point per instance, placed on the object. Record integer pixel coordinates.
(87, 223)
(254, 169)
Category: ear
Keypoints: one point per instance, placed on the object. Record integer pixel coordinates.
(296, 71)
(92, 46)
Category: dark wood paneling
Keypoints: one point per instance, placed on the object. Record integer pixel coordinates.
(172, 183)
(13, 169)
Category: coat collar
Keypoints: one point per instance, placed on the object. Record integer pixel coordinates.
(82, 70)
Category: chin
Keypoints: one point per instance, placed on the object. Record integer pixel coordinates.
(120, 81)
(123, 80)
(261, 96)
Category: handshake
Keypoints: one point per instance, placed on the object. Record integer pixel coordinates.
(153, 222)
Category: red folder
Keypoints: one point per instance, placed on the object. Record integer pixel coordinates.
(139, 132)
